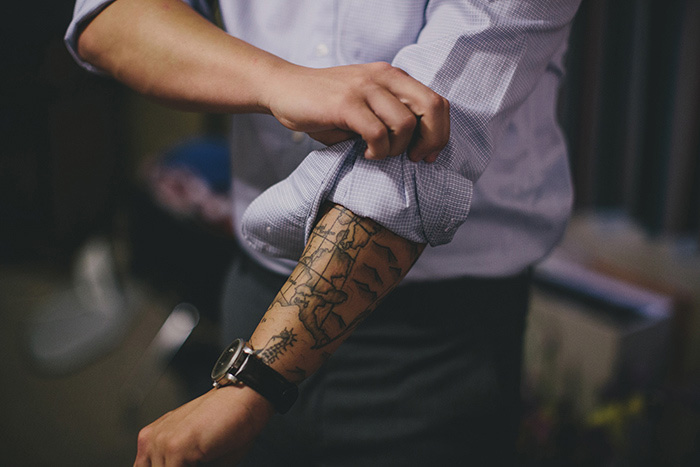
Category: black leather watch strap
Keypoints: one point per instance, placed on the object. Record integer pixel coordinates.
(238, 363)
(268, 382)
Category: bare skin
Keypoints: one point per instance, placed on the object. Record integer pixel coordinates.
(163, 49)
(349, 265)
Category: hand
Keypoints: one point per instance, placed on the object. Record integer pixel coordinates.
(385, 106)
(219, 426)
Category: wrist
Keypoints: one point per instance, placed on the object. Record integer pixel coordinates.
(282, 92)
(271, 82)
(260, 408)
(238, 365)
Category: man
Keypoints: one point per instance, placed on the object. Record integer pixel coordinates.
(433, 373)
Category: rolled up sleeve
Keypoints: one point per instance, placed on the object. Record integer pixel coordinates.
(485, 57)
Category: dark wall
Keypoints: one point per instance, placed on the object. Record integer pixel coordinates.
(631, 110)
(60, 157)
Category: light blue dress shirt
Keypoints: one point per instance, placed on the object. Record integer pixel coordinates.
(504, 171)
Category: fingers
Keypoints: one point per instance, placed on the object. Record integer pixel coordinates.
(432, 111)
(404, 116)
(432, 134)
(390, 110)
(362, 120)
(398, 120)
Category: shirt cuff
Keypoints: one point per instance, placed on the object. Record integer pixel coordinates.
(424, 203)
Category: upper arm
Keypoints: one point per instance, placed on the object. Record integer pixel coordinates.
(84, 41)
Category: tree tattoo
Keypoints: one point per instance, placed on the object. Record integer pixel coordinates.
(276, 346)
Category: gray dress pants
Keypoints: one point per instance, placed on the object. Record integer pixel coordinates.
(432, 377)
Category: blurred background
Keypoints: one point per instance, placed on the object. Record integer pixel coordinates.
(113, 210)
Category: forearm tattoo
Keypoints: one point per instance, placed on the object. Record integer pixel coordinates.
(349, 265)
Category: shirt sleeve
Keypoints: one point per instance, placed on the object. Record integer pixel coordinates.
(485, 57)
(85, 11)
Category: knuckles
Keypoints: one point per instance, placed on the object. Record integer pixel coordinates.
(381, 67)
(176, 447)
(144, 438)
(386, 139)
(377, 131)
(406, 124)
(438, 104)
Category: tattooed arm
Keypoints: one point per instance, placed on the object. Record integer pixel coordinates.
(349, 265)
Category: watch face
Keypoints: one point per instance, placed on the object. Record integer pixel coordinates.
(227, 358)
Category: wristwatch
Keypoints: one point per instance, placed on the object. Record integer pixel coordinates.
(238, 364)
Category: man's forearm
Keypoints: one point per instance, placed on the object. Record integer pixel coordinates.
(349, 265)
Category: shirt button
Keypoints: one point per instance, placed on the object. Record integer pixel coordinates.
(322, 50)
(297, 136)
(452, 223)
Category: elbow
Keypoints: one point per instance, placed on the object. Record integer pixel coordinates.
(107, 53)
(91, 47)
